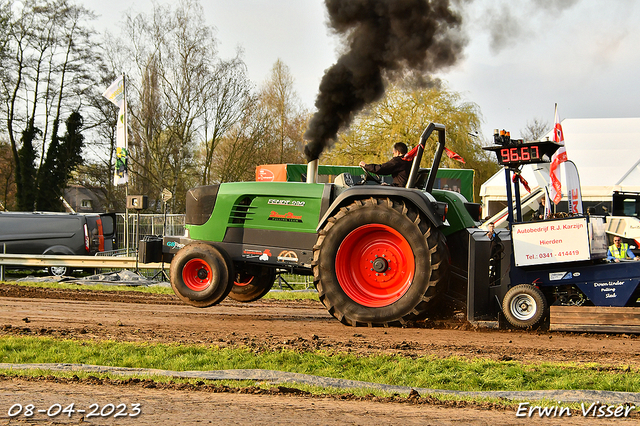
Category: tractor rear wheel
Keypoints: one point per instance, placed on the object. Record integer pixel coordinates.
(201, 275)
(524, 305)
(378, 262)
(252, 284)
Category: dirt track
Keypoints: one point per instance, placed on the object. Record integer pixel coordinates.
(302, 325)
(274, 324)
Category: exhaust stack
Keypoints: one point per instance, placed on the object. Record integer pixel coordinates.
(312, 171)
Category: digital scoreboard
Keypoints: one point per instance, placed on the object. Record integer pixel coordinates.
(515, 152)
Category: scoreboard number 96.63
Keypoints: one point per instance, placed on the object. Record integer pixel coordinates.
(519, 154)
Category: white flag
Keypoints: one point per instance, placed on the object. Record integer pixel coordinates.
(116, 94)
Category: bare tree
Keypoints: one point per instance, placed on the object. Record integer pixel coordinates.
(46, 65)
(270, 131)
(244, 146)
(535, 129)
(182, 98)
(288, 117)
(228, 100)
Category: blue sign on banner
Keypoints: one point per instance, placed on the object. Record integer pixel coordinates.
(609, 292)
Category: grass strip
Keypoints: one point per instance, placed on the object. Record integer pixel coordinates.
(292, 295)
(426, 372)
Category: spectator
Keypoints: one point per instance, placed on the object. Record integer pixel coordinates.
(491, 231)
(619, 250)
(541, 207)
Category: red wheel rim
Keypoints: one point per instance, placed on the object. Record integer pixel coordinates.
(375, 265)
(197, 274)
(243, 279)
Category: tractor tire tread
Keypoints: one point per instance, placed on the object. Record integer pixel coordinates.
(436, 247)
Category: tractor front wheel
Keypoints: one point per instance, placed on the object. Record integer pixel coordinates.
(201, 275)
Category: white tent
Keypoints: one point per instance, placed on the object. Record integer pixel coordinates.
(605, 150)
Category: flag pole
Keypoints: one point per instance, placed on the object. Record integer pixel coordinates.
(126, 185)
(552, 208)
(555, 115)
(116, 93)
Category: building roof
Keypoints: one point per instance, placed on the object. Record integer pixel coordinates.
(604, 149)
(84, 200)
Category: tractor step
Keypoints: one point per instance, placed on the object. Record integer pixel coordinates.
(604, 319)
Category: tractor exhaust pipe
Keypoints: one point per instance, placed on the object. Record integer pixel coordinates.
(312, 171)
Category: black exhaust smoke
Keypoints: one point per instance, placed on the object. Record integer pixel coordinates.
(382, 36)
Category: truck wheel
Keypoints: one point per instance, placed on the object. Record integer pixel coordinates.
(524, 305)
(252, 285)
(201, 275)
(378, 262)
(58, 271)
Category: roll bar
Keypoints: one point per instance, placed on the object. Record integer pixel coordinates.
(415, 166)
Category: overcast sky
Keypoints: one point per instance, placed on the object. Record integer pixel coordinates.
(521, 59)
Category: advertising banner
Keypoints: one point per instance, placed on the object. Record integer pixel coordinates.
(574, 195)
(271, 173)
(554, 241)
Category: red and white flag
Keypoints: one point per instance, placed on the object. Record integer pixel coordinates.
(560, 156)
(517, 177)
(453, 155)
(409, 156)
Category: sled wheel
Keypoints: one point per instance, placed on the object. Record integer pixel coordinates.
(252, 284)
(524, 305)
(201, 275)
(378, 262)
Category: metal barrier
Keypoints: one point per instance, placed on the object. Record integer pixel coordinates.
(118, 253)
(43, 261)
(140, 225)
(287, 281)
(118, 259)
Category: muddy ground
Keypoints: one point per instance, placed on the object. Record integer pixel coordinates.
(271, 324)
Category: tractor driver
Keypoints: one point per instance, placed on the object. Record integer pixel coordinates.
(619, 250)
(397, 167)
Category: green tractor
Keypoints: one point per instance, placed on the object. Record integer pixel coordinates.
(378, 253)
